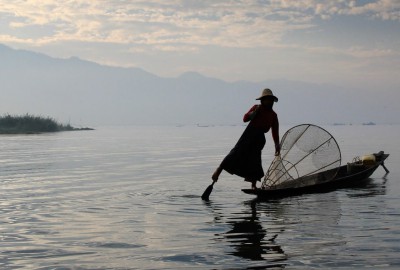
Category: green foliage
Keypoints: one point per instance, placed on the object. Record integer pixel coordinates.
(26, 124)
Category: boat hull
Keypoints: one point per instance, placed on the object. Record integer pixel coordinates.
(344, 179)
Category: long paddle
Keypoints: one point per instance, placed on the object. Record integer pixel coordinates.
(207, 192)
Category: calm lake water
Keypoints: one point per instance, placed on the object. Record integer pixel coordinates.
(129, 198)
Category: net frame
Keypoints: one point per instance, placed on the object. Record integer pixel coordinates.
(284, 170)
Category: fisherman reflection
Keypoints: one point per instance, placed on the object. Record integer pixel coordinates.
(247, 236)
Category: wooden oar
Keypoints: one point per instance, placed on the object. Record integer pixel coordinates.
(207, 192)
(384, 167)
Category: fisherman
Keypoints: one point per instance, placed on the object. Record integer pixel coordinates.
(244, 159)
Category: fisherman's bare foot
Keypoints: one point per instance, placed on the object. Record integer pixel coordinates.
(216, 174)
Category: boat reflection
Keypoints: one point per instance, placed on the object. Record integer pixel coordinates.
(369, 188)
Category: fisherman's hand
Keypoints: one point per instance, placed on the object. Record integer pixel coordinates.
(277, 150)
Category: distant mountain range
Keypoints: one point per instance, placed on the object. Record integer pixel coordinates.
(89, 94)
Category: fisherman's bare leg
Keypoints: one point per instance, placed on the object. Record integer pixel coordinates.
(254, 184)
(216, 174)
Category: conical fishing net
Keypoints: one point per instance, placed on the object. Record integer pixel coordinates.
(307, 152)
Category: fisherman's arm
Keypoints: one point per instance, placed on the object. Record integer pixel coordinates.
(250, 114)
(275, 136)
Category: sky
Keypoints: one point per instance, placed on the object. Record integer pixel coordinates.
(353, 43)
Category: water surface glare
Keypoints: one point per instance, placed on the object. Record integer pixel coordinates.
(129, 198)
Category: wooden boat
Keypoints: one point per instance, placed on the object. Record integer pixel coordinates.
(349, 175)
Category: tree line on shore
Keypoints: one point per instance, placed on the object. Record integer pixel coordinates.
(30, 124)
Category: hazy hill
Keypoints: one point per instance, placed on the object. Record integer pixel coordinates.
(88, 94)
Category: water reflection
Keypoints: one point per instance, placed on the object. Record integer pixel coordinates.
(248, 238)
(268, 233)
(271, 234)
(369, 188)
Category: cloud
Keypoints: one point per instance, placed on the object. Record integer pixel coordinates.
(206, 35)
(353, 52)
(13, 39)
(243, 24)
(379, 9)
(382, 9)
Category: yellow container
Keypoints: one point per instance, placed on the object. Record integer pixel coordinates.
(368, 160)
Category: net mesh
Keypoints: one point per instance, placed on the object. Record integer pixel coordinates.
(305, 150)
